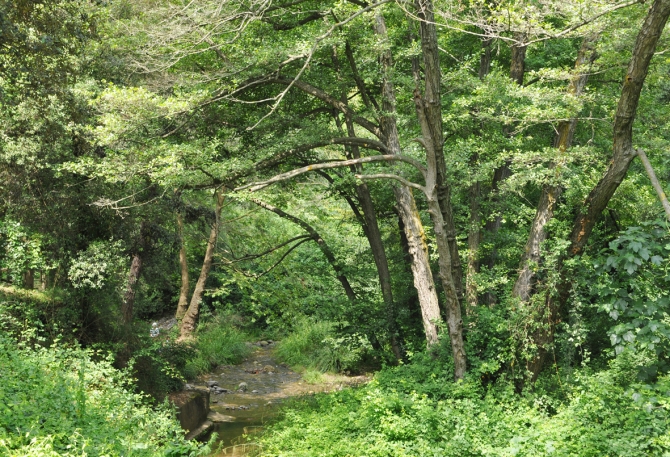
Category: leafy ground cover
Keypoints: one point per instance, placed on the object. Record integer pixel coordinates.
(68, 401)
(416, 410)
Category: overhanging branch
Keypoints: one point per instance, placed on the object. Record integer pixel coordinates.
(253, 187)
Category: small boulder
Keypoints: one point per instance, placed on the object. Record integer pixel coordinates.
(268, 368)
(254, 391)
(211, 383)
(242, 387)
(188, 387)
(263, 343)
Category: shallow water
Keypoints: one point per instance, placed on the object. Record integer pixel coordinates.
(268, 384)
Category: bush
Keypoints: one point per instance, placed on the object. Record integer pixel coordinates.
(217, 342)
(314, 345)
(61, 401)
(404, 412)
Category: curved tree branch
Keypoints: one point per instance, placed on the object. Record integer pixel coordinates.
(253, 187)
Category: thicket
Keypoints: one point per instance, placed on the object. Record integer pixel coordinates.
(418, 410)
(431, 162)
(63, 400)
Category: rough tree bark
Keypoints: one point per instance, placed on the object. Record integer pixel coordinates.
(599, 197)
(414, 232)
(192, 315)
(182, 305)
(429, 112)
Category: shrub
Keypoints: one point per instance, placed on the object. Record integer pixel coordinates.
(314, 345)
(218, 342)
(404, 412)
(64, 401)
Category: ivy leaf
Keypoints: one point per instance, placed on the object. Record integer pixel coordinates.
(656, 259)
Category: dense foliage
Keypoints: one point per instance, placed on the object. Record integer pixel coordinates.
(65, 401)
(455, 188)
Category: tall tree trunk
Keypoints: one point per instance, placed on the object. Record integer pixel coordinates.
(414, 232)
(323, 246)
(131, 289)
(623, 154)
(474, 239)
(516, 72)
(523, 287)
(134, 275)
(374, 237)
(29, 279)
(182, 305)
(192, 315)
(369, 219)
(429, 112)
(474, 196)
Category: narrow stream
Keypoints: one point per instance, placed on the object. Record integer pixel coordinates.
(254, 391)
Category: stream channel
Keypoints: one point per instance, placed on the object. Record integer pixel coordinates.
(244, 412)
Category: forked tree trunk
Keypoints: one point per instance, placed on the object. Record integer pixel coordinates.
(414, 232)
(429, 112)
(182, 305)
(192, 315)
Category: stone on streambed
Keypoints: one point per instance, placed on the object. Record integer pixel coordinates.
(242, 387)
(218, 417)
(211, 383)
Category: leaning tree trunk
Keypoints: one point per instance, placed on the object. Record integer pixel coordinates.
(500, 175)
(523, 287)
(623, 154)
(374, 237)
(429, 112)
(192, 315)
(414, 232)
(655, 182)
(182, 305)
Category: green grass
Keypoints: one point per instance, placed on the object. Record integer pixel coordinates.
(306, 347)
(313, 377)
(218, 342)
